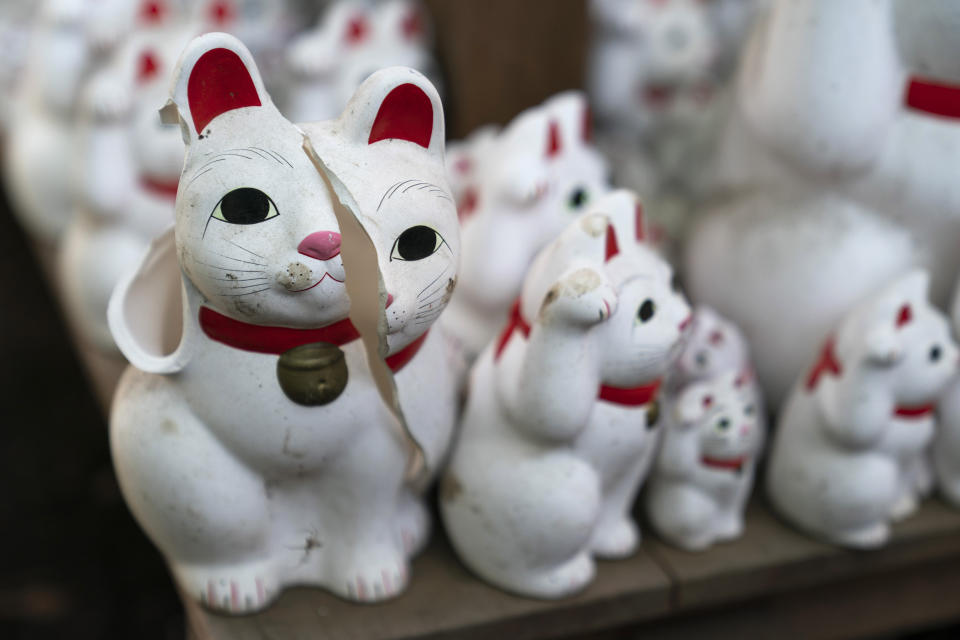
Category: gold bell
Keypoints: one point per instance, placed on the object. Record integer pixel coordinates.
(313, 374)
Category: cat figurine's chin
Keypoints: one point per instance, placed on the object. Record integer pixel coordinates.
(245, 433)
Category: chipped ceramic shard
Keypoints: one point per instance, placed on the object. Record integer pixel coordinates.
(555, 439)
(830, 178)
(128, 165)
(704, 470)
(518, 188)
(248, 483)
(849, 450)
(353, 37)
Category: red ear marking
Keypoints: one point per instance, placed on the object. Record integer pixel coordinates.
(405, 114)
(147, 68)
(152, 12)
(463, 165)
(356, 30)
(904, 316)
(553, 139)
(587, 131)
(638, 216)
(468, 203)
(412, 25)
(219, 83)
(716, 337)
(612, 247)
(221, 12)
(707, 402)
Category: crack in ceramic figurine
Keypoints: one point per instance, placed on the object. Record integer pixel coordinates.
(244, 490)
(556, 436)
(850, 443)
(704, 470)
(517, 189)
(829, 182)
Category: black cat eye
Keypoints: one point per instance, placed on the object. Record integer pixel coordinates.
(935, 353)
(646, 311)
(578, 198)
(245, 206)
(416, 243)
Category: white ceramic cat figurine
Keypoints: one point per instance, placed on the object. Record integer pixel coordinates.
(829, 182)
(352, 39)
(946, 445)
(703, 473)
(713, 346)
(525, 187)
(69, 39)
(558, 430)
(128, 167)
(839, 466)
(251, 472)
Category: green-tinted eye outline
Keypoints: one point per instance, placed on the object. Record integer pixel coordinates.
(586, 198)
(272, 212)
(723, 424)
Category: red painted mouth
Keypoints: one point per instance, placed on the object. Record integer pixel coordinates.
(316, 283)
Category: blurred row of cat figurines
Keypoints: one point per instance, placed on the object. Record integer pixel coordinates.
(541, 179)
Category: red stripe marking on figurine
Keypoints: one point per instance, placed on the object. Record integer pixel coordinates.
(612, 248)
(400, 359)
(632, 397)
(921, 411)
(515, 322)
(826, 364)
(733, 464)
(159, 189)
(933, 97)
(553, 139)
(904, 316)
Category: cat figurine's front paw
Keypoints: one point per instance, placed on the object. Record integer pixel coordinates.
(583, 297)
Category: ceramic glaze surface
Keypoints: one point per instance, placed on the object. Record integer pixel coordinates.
(352, 39)
(828, 182)
(560, 426)
(518, 188)
(946, 446)
(704, 470)
(844, 458)
(244, 489)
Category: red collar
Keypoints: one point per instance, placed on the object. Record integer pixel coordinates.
(733, 464)
(634, 397)
(166, 190)
(277, 340)
(933, 97)
(827, 363)
(913, 413)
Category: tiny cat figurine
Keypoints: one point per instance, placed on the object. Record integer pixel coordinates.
(560, 422)
(128, 167)
(704, 470)
(525, 184)
(352, 39)
(842, 456)
(713, 346)
(251, 471)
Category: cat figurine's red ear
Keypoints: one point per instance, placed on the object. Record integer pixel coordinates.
(216, 75)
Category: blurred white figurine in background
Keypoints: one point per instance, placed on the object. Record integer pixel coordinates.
(840, 463)
(16, 18)
(519, 188)
(946, 444)
(352, 39)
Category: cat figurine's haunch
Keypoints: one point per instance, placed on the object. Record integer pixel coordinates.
(704, 470)
(560, 422)
(842, 463)
(249, 437)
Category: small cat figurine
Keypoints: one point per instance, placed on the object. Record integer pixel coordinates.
(352, 39)
(713, 346)
(703, 473)
(129, 164)
(842, 456)
(525, 184)
(253, 472)
(559, 426)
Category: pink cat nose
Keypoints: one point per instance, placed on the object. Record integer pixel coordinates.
(321, 245)
(745, 430)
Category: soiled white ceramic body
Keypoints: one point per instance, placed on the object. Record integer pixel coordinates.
(244, 490)
(128, 164)
(518, 188)
(842, 463)
(69, 39)
(544, 472)
(828, 185)
(704, 470)
(352, 39)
